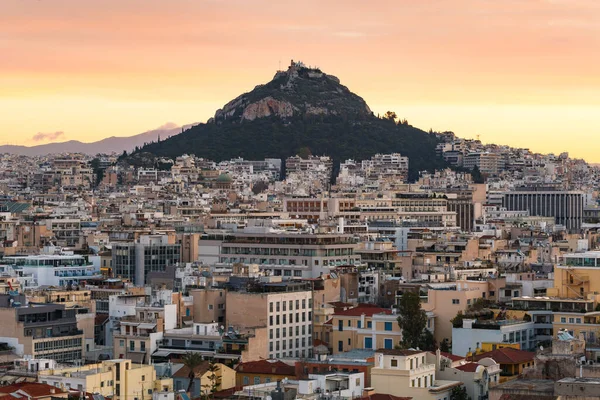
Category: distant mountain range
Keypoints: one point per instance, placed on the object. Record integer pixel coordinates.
(109, 145)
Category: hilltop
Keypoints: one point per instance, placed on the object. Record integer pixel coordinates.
(299, 108)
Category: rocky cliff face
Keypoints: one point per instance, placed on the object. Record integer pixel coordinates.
(299, 91)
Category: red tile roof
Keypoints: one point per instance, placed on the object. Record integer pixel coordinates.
(268, 367)
(452, 357)
(319, 342)
(33, 389)
(469, 367)
(383, 396)
(184, 372)
(507, 355)
(367, 309)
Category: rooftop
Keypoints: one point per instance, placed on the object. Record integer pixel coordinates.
(507, 355)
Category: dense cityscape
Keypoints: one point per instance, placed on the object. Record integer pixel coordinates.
(316, 200)
(300, 278)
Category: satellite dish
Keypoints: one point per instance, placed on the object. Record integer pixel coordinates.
(541, 348)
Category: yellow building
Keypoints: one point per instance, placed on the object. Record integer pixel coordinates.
(578, 324)
(512, 361)
(364, 327)
(203, 382)
(119, 379)
(577, 275)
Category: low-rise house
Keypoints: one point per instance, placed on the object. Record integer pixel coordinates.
(263, 371)
(203, 381)
(408, 373)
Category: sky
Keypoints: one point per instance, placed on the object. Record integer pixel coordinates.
(520, 72)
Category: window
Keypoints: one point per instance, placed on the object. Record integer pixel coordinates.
(563, 320)
(369, 324)
(277, 306)
(571, 320)
(271, 306)
(131, 345)
(349, 341)
(246, 381)
(455, 301)
(257, 380)
(122, 343)
(359, 324)
(210, 306)
(277, 319)
(340, 346)
(578, 320)
(349, 323)
(388, 326)
(394, 363)
(283, 303)
(303, 303)
(142, 346)
(268, 380)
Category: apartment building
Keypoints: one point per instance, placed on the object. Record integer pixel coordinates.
(407, 373)
(445, 300)
(42, 331)
(53, 269)
(209, 305)
(283, 309)
(365, 326)
(565, 206)
(138, 336)
(150, 253)
(291, 255)
(577, 275)
(473, 333)
(116, 379)
(488, 163)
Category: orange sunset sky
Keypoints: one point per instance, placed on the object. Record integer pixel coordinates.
(519, 72)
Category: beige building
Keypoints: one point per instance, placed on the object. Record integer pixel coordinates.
(138, 336)
(286, 315)
(46, 331)
(406, 373)
(445, 300)
(209, 305)
(118, 379)
(364, 327)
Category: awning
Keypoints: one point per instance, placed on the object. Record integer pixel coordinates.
(147, 325)
(138, 358)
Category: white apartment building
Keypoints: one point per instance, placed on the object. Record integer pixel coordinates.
(473, 333)
(406, 373)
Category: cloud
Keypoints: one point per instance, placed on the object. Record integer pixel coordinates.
(42, 137)
(168, 125)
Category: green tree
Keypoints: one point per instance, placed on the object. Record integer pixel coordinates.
(191, 361)
(457, 321)
(98, 172)
(260, 187)
(476, 175)
(304, 152)
(445, 346)
(427, 341)
(214, 380)
(390, 115)
(459, 393)
(411, 319)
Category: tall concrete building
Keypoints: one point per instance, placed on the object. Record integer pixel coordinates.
(282, 311)
(565, 206)
(44, 331)
(151, 253)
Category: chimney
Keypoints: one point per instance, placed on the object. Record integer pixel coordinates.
(438, 360)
